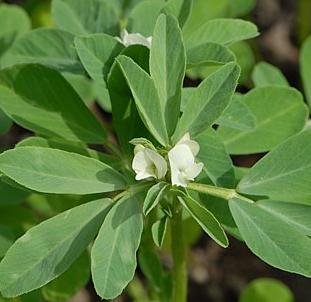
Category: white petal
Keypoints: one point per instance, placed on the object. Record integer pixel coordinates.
(135, 38)
(181, 156)
(159, 162)
(143, 175)
(140, 162)
(138, 148)
(193, 171)
(193, 145)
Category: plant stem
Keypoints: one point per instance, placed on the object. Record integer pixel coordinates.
(212, 190)
(179, 253)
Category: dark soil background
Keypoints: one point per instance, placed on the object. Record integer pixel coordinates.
(217, 274)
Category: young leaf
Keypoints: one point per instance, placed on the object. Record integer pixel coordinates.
(305, 66)
(167, 67)
(42, 108)
(283, 174)
(43, 253)
(181, 9)
(114, 250)
(146, 98)
(159, 230)
(154, 196)
(205, 219)
(265, 74)
(221, 31)
(272, 239)
(143, 17)
(126, 120)
(97, 53)
(208, 101)
(297, 215)
(217, 162)
(208, 54)
(237, 115)
(32, 48)
(68, 284)
(81, 17)
(286, 116)
(55, 171)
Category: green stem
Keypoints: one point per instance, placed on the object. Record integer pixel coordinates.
(212, 190)
(179, 253)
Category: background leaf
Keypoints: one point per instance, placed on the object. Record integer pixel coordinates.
(286, 116)
(47, 46)
(69, 283)
(81, 17)
(305, 68)
(283, 174)
(41, 108)
(265, 74)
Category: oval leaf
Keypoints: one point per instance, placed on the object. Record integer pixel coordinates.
(114, 251)
(154, 196)
(55, 171)
(43, 253)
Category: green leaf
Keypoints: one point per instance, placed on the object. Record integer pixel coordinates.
(154, 196)
(159, 230)
(286, 116)
(167, 67)
(217, 162)
(204, 10)
(32, 48)
(69, 283)
(266, 290)
(97, 53)
(237, 115)
(114, 250)
(208, 54)
(55, 171)
(208, 101)
(297, 215)
(271, 239)
(240, 8)
(181, 9)
(43, 253)
(7, 238)
(126, 120)
(14, 22)
(205, 219)
(305, 66)
(10, 195)
(5, 123)
(41, 108)
(265, 74)
(283, 174)
(70, 147)
(221, 31)
(146, 98)
(81, 17)
(143, 17)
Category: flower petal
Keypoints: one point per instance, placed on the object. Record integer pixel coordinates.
(193, 171)
(158, 161)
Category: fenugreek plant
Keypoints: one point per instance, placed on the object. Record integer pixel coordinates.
(166, 156)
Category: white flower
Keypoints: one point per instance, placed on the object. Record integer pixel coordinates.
(134, 38)
(148, 163)
(182, 161)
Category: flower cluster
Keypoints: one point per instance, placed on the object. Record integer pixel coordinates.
(148, 163)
